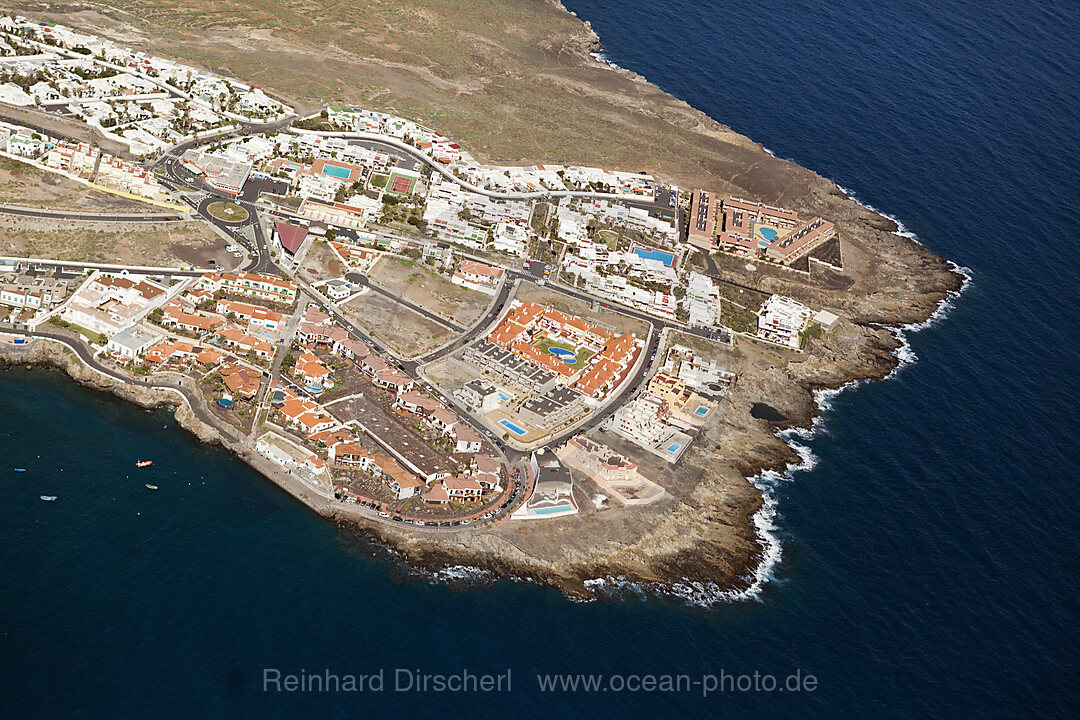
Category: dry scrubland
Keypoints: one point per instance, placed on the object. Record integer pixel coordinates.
(432, 292)
(497, 85)
(28, 186)
(407, 333)
(163, 244)
(531, 292)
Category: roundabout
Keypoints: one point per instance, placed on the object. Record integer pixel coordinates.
(227, 212)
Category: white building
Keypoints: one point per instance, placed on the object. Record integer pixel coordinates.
(511, 238)
(131, 343)
(782, 320)
(702, 301)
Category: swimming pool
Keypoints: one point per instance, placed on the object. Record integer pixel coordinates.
(702, 410)
(567, 356)
(651, 254)
(768, 233)
(512, 427)
(503, 397)
(551, 509)
(673, 447)
(339, 172)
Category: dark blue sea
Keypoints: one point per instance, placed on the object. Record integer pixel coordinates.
(928, 548)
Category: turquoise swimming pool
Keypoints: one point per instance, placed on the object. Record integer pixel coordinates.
(673, 447)
(768, 233)
(334, 171)
(567, 356)
(512, 427)
(651, 254)
(552, 509)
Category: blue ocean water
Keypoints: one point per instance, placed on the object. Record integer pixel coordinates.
(928, 565)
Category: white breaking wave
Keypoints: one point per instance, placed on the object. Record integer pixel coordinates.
(462, 574)
(601, 57)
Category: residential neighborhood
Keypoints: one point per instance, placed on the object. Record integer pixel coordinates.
(412, 334)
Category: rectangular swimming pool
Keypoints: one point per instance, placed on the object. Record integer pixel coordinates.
(650, 254)
(551, 509)
(673, 447)
(334, 171)
(512, 427)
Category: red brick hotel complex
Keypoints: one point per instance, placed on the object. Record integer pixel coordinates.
(754, 230)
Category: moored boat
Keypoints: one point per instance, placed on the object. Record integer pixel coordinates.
(144, 463)
(48, 498)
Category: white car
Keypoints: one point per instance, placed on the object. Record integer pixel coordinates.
(238, 254)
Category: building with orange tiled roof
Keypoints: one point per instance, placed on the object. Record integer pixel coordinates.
(463, 489)
(309, 367)
(478, 276)
(253, 315)
(241, 380)
(265, 287)
(234, 336)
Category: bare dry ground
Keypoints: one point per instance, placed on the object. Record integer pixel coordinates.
(531, 292)
(28, 186)
(432, 292)
(404, 331)
(321, 263)
(162, 244)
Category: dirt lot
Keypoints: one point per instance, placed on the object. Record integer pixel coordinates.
(28, 186)
(430, 291)
(320, 263)
(528, 291)
(165, 244)
(405, 332)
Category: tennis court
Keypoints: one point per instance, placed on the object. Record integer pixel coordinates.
(401, 185)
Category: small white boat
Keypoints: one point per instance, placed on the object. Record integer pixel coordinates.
(20, 469)
(48, 498)
(151, 487)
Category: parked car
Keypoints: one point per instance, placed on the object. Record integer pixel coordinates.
(386, 515)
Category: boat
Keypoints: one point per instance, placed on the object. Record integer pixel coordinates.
(20, 469)
(48, 498)
(144, 463)
(152, 487)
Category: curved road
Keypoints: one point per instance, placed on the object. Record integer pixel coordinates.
(494, 194)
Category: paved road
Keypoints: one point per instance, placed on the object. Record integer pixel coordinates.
(92, 217)
(478, 327)
(86, 267)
